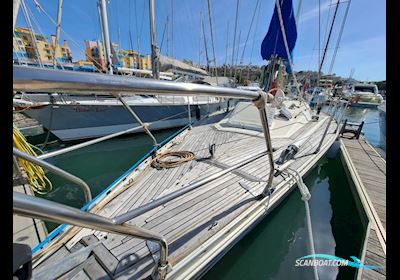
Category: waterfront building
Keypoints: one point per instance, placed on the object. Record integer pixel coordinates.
(24, 48)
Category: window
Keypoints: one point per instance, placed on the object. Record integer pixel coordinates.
(46, 45)
(63, 49)
(24, 37)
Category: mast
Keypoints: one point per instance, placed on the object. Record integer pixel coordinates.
(58, 29)
(234, 36)
(200, 39)
(107, 45)
(15, 12)
(205, 45)
(154, 50)
(212, 40)
(227, 45)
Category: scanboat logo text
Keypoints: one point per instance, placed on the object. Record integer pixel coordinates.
(329, 260)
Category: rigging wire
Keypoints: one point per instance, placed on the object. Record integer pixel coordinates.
(248, 34)
(165, 28)
(327, 21)
(329, 35)
(66, 34)
(340, 36)
(130, 24)
(172, 30)
(29, 23)
(319, 40)
(36, 22)
(237, 52)
(254, 39)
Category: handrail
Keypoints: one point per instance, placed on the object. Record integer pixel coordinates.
(34, 79)
(160, 201)
(88, 143)
(43, 209)
(56, 170)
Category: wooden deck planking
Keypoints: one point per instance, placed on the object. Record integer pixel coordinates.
(370, 172)
(194, 214)
(186, 222)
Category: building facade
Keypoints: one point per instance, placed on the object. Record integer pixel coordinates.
(120, 58)
(24, 49)
(94, 53)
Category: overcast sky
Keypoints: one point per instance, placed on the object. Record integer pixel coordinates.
(363, 44)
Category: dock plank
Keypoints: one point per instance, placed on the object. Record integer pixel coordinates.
(369, 175)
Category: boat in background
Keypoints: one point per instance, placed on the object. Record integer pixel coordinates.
(72, 117)
(253, 86)
(363, 95)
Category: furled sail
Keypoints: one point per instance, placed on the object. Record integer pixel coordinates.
(273, 44)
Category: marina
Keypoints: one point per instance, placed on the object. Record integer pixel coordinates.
(135, 166)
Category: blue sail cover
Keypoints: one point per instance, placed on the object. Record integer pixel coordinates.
(273, 42)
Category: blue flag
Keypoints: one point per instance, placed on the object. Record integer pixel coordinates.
(273, 42)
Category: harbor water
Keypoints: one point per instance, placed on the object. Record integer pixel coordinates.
(270, 250)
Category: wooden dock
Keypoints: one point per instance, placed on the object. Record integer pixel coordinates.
(368, 171)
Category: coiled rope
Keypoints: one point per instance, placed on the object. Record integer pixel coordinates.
(166, 160)
(36, 177)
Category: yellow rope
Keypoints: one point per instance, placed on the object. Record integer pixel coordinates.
(36, 176)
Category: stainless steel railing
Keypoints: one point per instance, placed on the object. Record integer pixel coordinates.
(32, 79)
(56, 170)
(160, 201)
(43, 209)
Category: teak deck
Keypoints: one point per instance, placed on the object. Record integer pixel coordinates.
(192, 219)
(368, 171)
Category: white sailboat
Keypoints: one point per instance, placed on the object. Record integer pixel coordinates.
(175, 219)
(176, 212)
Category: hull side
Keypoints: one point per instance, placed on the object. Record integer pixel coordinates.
(73, 122)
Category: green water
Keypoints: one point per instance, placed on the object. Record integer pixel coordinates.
(98, 165)
(270, 250)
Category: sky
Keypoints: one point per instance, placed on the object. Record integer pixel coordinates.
(362, 47)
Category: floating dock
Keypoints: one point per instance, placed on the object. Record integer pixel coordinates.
(368, 171)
